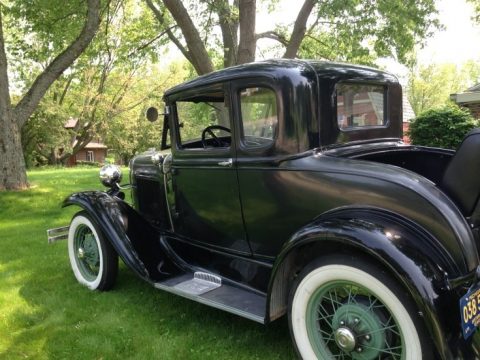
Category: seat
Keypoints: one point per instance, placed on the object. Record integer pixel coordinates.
(461, 179)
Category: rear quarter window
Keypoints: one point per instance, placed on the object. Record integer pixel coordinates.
(360, 105)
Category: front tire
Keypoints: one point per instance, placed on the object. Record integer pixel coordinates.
(94, 261)
(346, 308)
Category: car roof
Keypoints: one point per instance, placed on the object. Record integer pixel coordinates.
(292, 68)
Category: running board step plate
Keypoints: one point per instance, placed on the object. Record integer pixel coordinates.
(200, 284)
(208, 289)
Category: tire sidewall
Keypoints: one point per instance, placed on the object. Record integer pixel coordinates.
(320, 273)
(79, 220)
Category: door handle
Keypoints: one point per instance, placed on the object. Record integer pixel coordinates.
(227, 163)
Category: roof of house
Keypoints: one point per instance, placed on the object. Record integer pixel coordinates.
(71, 123)
(93, 145)
(471, 95)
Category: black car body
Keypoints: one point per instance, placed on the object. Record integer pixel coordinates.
(311, 167)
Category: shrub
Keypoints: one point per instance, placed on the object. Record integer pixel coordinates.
(444, 127)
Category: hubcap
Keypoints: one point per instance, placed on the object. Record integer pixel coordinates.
(345, 339)
(81, 253)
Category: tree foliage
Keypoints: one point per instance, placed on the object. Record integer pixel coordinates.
(23, 17)
(443, 127)
(346, 30)
(103, 85)
(430, 86)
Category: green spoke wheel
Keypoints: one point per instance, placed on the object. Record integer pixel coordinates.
(351, 310)
(94, 261)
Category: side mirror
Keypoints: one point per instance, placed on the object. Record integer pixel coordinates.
(152, 114)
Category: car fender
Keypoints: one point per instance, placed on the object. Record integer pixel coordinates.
(405, 250)
(134, 239)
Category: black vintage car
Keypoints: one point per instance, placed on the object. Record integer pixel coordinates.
(283, 188)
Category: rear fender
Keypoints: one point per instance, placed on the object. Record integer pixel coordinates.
(134, 239)
(403, 249)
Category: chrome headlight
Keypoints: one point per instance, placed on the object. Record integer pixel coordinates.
(110, 175)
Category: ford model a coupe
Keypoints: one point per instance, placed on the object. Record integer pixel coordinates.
(283, 188)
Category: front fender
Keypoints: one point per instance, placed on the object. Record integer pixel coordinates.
(403, 249)
(135, 240)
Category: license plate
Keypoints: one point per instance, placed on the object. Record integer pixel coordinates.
(470, 311)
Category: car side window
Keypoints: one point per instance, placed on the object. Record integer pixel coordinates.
(360, 105)
(258, 107)
(203, 122)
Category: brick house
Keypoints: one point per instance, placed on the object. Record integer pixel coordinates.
(94, 151)
(469, 99)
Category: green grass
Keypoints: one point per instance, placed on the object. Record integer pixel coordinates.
(46, 314)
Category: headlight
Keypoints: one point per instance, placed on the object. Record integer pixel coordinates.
(110, 175)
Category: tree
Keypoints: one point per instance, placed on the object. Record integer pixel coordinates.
(444, 127)
(102, 85)
(476, 4)
(335, 30)
(430, 86)
(14, 116)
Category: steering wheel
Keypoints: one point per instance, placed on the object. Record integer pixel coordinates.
(216, 141)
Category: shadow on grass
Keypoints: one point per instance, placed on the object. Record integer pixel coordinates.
(46, 314)
(136, 321)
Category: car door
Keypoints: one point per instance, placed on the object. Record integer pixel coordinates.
(206, 203)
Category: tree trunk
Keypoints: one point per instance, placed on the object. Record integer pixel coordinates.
(248, 41)
(299, 29)
(12, 164)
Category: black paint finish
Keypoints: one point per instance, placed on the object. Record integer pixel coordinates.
(316, 191)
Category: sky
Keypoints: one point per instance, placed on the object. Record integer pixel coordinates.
(457, 43)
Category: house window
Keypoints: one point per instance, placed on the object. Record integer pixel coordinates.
(90, 156)
(360, 105)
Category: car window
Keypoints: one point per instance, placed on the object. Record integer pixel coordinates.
(360, 105)
(207, 117)
(259, 116)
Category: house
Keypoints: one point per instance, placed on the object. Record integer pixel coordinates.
(408, 115)
(469, 99)
(94, 151)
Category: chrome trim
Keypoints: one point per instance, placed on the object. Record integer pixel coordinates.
(166, 201)
(57, 234)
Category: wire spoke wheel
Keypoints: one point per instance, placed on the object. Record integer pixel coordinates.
(344, 320)
(94, 261)
(87, 253)
(345, 308)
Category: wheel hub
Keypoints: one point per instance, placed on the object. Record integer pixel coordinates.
(81, 253)
(345, 339)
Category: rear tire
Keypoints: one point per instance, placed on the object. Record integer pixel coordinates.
(350, 309)
(94, 261)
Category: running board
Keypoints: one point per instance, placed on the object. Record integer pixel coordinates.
(208, 289)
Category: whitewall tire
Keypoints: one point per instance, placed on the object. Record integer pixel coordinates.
(351, 310)
(93, 260)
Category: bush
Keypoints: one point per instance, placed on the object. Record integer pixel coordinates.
(444, 127)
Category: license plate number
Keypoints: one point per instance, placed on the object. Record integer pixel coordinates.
(470, 311)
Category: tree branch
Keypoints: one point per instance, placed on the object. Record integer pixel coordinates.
(200, 59)
(30, 100)
(229, 28)
(161, 20)
(272, 35)
(299, 29)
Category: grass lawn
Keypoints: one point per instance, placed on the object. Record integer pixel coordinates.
(46, 314)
